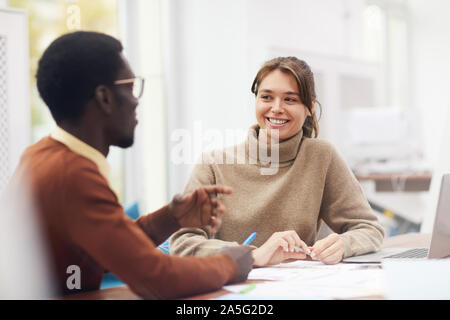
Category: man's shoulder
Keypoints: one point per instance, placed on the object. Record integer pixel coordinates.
(53, 157)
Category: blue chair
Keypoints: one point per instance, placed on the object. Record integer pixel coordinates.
(164, 247)
(109, 279)
(133, 211)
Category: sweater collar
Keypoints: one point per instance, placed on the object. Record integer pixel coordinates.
(83, 149)
(287, 149)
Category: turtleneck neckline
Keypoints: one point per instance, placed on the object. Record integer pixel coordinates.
(287, 149)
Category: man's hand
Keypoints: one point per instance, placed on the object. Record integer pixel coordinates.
(200, 208)
(280, 247)
(242, 256)
(329, 250)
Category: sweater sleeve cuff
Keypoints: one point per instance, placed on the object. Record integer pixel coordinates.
(348, 252)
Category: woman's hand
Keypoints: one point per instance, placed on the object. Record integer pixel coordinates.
(280, 247)
(329, 250)
(200, 207)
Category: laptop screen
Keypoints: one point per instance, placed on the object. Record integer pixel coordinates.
(440, 239)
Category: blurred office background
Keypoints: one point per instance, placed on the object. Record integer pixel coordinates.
(381, 69)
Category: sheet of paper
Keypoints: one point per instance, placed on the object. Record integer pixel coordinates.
(354, 284)
(417, 279)
(314, 280)
(300, 269)
(296, 290)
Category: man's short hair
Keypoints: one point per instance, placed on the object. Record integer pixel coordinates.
(72, 67)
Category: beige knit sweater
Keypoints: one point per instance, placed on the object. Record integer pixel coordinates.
(313, 183)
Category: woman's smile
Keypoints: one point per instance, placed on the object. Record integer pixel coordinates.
(276, 123)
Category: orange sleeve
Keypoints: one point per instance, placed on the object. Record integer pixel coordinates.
(96, 222)
(158, 225)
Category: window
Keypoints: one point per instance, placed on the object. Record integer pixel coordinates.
(374, 21)
(386, 41)
(138, 173)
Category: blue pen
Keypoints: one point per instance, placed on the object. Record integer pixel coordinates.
(250, 239)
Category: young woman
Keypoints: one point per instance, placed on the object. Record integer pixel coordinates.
(312, 183)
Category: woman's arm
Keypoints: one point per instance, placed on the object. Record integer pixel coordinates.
(200, 207)
(198, 241)
(346, 210)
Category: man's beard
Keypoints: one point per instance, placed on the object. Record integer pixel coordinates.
(125, 142)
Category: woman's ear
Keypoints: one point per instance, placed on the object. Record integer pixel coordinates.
(313, 109)
(104, 98)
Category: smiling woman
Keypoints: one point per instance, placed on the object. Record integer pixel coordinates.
(297, 97)
(312, 183)
(280, 110)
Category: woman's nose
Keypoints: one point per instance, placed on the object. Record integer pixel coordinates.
(277, 106)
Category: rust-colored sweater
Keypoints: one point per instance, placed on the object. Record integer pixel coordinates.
(86, 226)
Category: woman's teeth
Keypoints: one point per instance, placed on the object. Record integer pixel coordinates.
(276, 121)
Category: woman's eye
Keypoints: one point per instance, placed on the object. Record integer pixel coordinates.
(290, 99)
(265, 97)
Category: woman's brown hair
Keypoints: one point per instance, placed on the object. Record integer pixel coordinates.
(305, 82)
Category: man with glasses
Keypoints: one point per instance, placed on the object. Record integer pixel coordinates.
(92, 94)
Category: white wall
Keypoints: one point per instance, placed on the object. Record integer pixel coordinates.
(207, 82)
(430, 48)
(15, 93)
(215, 48)
(430, 52)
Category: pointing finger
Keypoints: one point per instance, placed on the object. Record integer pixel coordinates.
(218, 189)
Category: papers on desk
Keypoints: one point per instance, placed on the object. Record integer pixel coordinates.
(314, 280)
(417, 279)
(297, 270)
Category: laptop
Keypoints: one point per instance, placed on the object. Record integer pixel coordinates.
(440, 238)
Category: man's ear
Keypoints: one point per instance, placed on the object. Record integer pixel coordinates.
(104, 98)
